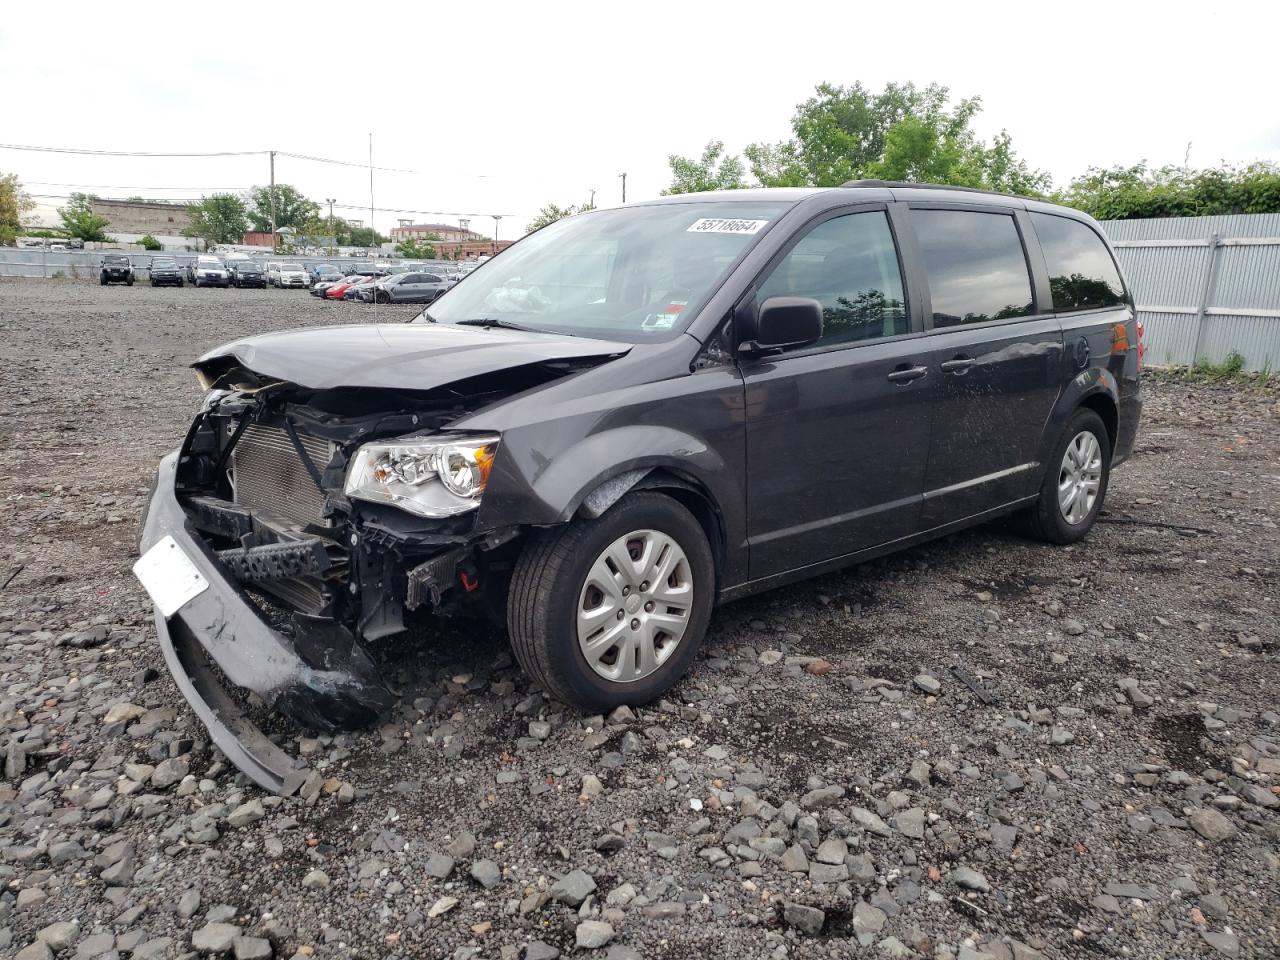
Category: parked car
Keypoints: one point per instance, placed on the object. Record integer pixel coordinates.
(322, 273)
(353, 292)
(273, 272)
(246, 273)
(115, 268)
(405, 288)
(209, 272)
(165, 270)
(335, 291)
(59, 247)
(291, 275)
(626, 418)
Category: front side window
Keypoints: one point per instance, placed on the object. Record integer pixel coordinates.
(848, 264)
(975, 264)
(633, 274)
(1082, 275)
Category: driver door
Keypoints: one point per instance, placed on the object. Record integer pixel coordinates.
(838, 431)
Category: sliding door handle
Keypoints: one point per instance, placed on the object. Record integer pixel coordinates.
(907, 374)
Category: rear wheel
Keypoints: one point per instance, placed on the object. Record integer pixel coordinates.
(1075, 483)
(612, 611)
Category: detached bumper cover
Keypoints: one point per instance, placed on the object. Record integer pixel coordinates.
(340, 692)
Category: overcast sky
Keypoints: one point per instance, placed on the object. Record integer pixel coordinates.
(500, 108)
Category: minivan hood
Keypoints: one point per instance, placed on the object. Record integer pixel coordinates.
(418, 356)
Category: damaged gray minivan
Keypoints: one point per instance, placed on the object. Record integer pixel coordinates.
(624, 419)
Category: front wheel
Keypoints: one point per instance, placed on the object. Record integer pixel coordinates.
(1075, 483)
(612, 611)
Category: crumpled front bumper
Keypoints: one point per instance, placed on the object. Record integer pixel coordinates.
(222, 626)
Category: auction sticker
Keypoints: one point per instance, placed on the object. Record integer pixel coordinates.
(722, 225)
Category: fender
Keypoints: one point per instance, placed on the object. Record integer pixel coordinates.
(583, 467)
(1093, 381)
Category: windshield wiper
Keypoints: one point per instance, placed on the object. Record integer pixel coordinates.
(496, 322)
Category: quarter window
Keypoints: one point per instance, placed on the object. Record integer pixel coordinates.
(1082, 275)
(848, 264)
(977, 270)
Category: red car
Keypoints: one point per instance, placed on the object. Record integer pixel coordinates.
(337, 291)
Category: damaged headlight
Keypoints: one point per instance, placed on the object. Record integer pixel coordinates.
(432, 477)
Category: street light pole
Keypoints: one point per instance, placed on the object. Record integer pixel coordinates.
(331, 201)
(496, 218)
(592, 204)
(273, 202)
(624, 187)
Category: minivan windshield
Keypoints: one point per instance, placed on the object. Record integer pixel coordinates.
(630, 274)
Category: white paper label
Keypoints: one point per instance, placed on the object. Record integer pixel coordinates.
(169, 576)
(722, 225)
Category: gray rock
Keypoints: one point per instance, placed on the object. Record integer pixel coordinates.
(215, 938)
(867, 919)
(463, 846)
(1225, 942)
(246, 813)
(794, 859)
(60, 935)
(537, 950)
(153, 949)
(316, 880)
(910, 823)
(1210, 824)
(486, 873)
(169, 772)
(439, 866)
(804, 918)
(188, 904)
(1072, 628)
(832, 850)
(573, 888)
(970, 879)
(870, 822)
(37, 950)
(593, 934)
(928, 684)
(252, 948)
(95, 945)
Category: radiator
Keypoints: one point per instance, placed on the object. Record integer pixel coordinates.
(268, 476)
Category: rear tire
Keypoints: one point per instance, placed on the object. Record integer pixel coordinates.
(552, 591)
(1075, 485)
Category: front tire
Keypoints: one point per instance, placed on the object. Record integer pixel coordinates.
(1075, 481)
(612, 611)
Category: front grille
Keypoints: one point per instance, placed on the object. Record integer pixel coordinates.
(268, 475)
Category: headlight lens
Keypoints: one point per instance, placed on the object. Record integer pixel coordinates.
(432, 477)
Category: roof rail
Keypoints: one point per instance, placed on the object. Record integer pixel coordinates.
(902, 184)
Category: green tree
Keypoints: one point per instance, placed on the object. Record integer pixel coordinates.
(220, 218)
(79, 220)
(902, 132)
(14, 205)
(1121, 193)
(712, 171)
(363, 237)
(552, 212)
(150, 243)
(418, 248)
(292, 208)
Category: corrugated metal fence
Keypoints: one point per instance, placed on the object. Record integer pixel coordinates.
(1206, 287)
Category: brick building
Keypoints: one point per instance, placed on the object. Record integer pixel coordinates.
(140, 217)
(421, 231)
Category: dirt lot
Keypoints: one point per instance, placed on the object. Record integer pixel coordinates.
(822, 784)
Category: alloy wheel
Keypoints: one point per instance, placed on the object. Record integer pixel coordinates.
(1080, 477)
(635, 605)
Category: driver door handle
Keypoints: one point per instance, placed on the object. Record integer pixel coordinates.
(907, 374)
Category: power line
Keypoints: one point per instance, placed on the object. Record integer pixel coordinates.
(84, 151)
(127, 153)
(123, 186)
(423, 213)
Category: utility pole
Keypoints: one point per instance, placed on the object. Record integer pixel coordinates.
(371, 226)
(273, 202)
(331, 201)
(592, 204)
(496, 218)
(624, 187)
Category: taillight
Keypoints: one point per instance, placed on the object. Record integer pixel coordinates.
(1142, 340)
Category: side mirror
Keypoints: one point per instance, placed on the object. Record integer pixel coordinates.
(785, 322)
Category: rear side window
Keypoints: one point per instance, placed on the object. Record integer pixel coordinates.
(848, 264)
(1082, 275)
(977, 269)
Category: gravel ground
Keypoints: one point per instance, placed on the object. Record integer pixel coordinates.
(821, 785)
